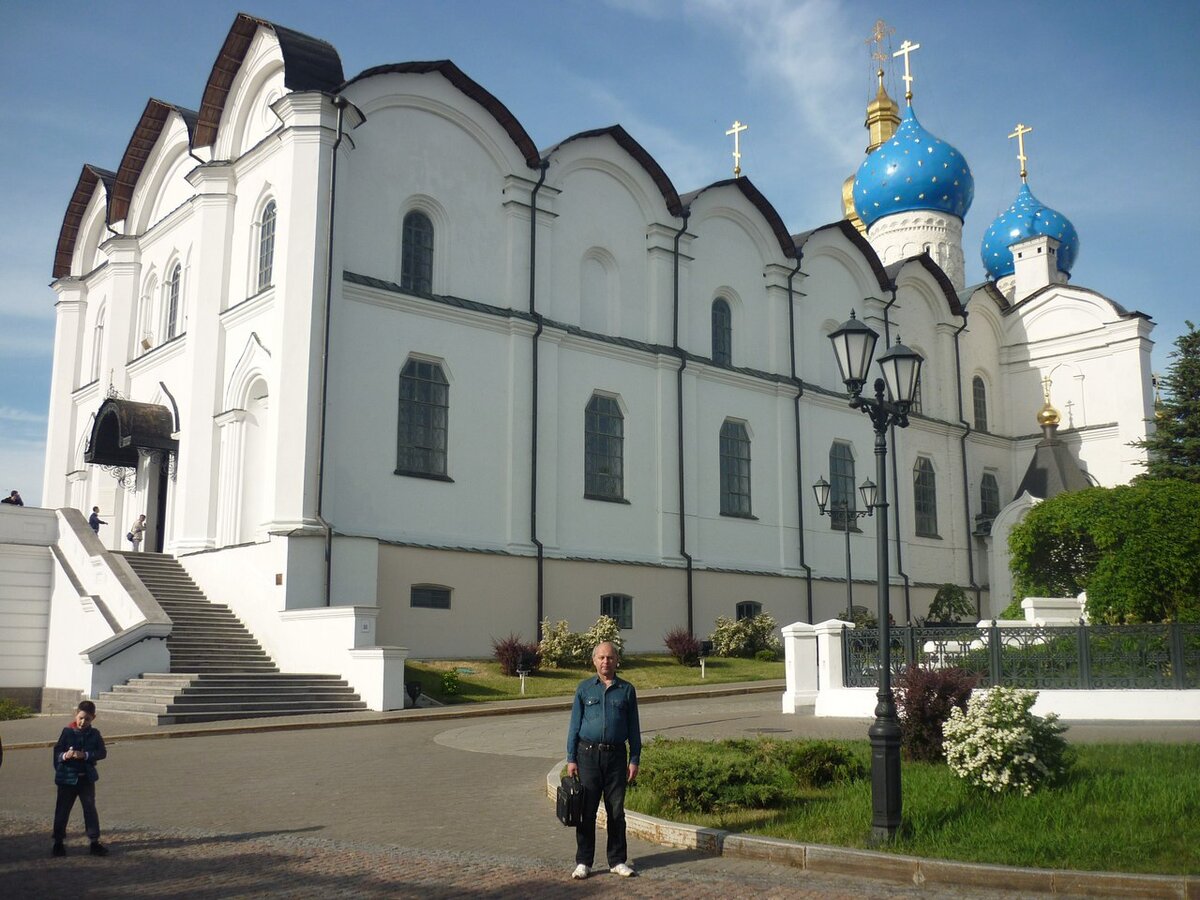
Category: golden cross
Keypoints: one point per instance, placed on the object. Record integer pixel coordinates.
(1046, 382)
(736, 130)
(1019, 134)
(879, 34)
(905, 49)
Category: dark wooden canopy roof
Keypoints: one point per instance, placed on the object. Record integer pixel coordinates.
(89, 177)
(145, 136)
(639, 154)
(761, 203)
(121, 427)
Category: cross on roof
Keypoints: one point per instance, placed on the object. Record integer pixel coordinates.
(905, 49)
(1019, 134)
(736, 130)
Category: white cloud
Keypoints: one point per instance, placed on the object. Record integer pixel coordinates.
(12, 414)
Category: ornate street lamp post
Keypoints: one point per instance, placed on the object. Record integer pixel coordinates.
(854, 346)
(848, 514)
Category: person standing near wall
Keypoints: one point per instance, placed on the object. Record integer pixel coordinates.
(94, 520)
(604, 719)
(136, 532)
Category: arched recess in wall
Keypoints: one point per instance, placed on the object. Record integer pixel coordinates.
(255, 463)
(246, 493)
(599, 291)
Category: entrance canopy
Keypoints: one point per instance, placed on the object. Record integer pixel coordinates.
(122, 427)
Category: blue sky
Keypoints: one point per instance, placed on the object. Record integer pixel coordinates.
(1109, 88)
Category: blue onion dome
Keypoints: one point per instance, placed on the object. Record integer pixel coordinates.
(1027, 218)
(911, 171)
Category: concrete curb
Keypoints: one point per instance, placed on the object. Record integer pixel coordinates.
(891, 867)
(466, 711)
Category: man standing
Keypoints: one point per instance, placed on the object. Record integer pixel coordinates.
(604, 717)
(95, 521)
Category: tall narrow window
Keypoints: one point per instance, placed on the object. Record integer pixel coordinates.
(925, 498)
(619, 607)
(266, 246)
(722, 333)
(416, 254)
(172, 302)
(989, 496)
(97, 344)
(979, 397)
(424, 410)
(915, 406)
(841, 485)
(603, 449)
(735, 470)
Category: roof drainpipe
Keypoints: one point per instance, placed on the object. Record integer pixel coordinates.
(887, 331)
(808, 588)
(533, 425)
(962, 443)
(326, 525)
(679, 352)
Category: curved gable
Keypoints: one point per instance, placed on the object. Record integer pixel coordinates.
(470, 88)
(639, 155)
(852, 234)
(145, 136)
(89, 178)
(759, 202)
(1086, 294)
(925, 261)
(309, 65)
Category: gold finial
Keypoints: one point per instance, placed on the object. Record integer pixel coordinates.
(1156, 383)
(736, 130)
(880, 33)
(905, 49)
(1019, 134)
(1047, 415)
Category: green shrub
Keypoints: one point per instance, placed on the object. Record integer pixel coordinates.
(950, 604)
(683, 646)
(765, 655)
(924, 698)
(1014, 610)
(10, 709)
(562, 648)
(998, 745)
(810, 763)
(605, 629)
(745, 637)
(691, 780)
(513, 653)
(450, 684)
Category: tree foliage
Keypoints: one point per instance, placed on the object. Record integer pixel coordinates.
(1174, 447)
(1135, 549)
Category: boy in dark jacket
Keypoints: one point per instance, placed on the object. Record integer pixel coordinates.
(79, 748)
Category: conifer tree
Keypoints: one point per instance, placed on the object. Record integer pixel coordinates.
(1174, 446)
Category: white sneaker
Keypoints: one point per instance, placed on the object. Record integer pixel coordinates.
(581, 872)
(624, 870)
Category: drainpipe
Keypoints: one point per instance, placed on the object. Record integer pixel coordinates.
(533, 424)
(962, 443)
(326, 525)
(887, 331)
(679, 352)
(808, 588)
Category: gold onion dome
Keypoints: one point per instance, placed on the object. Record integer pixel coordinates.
(1048, 415)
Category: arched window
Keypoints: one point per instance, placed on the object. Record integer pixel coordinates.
(416, 254)
(722, 333)
(925, 498)
(915, 406)
(735, 470)
(747, 609)
(423, 413)
(619, 607)
(171, 302)
(841, 485)
(989, 496)
(266, 246)
(979, 398)
(97, 344)
(603, 449)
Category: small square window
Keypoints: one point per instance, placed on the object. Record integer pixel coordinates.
(619, 607)
(428, 596)
(747, 609)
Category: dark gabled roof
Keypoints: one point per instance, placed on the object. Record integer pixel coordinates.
(1053, 469)
(1121, 311)
(754, 195)
(988, 289)
(470, 88)
(309, 64)
(145, 136)
(626, 142)
(69, 232)
(854, 236)
(926, 262)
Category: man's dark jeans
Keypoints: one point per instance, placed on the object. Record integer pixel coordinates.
(601, 772)
(86, 792)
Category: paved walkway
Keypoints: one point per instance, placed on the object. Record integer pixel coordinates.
(402, 805)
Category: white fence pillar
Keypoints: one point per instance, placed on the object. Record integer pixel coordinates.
(800, 655)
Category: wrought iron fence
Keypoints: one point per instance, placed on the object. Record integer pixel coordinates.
(1085, 657)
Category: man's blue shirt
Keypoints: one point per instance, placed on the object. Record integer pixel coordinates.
(605, 716)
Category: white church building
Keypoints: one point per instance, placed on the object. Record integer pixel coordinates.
(384, 372)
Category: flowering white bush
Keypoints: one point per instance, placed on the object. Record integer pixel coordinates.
(560, 647)
(746, 637)
(999, 745)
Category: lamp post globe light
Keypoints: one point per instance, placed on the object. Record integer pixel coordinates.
(841, 507)
(854, 345)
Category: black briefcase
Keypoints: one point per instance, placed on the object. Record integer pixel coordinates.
(569, 802)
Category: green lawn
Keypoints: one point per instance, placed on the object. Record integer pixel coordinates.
(1125, 808)
(480, 679)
